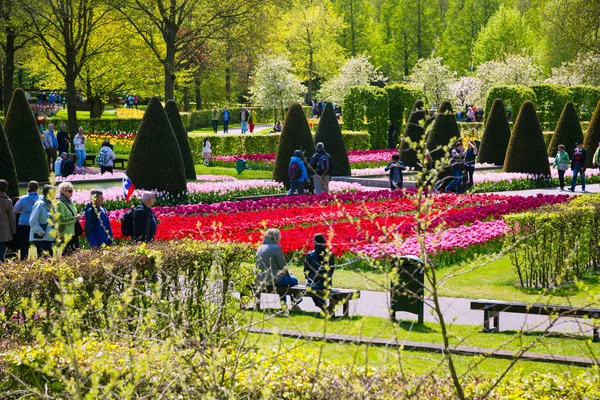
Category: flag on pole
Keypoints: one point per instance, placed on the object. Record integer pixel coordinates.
(128, 187)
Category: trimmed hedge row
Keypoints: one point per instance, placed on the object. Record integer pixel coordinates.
(367, 108)
(401, 99)
(231, 145)
(203, 119)
(512, 96)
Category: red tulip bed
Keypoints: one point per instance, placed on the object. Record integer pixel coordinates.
(363, 223)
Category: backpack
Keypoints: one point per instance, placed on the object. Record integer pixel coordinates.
(294, 172)
(127, 222)
(323, 164)
(101, 158)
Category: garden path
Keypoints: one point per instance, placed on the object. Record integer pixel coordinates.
(455, 311)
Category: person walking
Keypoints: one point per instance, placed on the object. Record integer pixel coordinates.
(251, 119)
(68, 219)
(226, 115)
(319, 265)
(8, 223)
(244, 120)
(391, 137)
(24, 207)
(63, 139)
(79, 146)
(106, 158)
(596, 159)
(470, 156)
(561, 162)
(206, 151)
(457, 163)
(50, 146)
(297, 173)
(215, 118)
(578, 165)
(322, 164)
(40, 226)
(144, 221)
(395, 167)
(98, 231)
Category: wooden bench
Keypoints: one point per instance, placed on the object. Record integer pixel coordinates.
(492, 309)
(92, 158)
(333, 295)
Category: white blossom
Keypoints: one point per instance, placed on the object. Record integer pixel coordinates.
(584, 70)
(433, 78)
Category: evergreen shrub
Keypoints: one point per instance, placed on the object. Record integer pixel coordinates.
(330, 134)
(443, 133)
(155, 160)
(550, 100)
(512, 96)
(527, 152)
(7, 166)
(496, 136)
(592, 136)
(24, 140)
(414, 133)
(182, 138)
(367, 108)
(568, 131)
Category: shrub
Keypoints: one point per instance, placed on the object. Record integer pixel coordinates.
(585, 96)
(568, 131)
(7, 166)
(104, 125)
(496, 135)
(401, 98)
(550, 100)
(294, 136)
(202, 118)
(592, 136)
(24, 140)
(155, 160)
(445, 107)
(512, 96)
(330, 134)
(182, 138)
(527, 151)
(444, 132)
(367, 108)
(413, 135)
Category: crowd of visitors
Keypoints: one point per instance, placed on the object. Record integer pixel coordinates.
(316, 172)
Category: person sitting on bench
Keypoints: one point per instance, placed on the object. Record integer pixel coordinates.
(317, 271)
(271, 264)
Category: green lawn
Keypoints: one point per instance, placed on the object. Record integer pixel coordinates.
(496, 280)
(62, 114)
(248, 174)
(204, 131)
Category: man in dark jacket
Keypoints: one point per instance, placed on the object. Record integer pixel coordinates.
(321, 164)
(68, 166)
(578, 165)
(63, 140)
(317, 271)
(144, 221)
(391, 136)
(98, 231)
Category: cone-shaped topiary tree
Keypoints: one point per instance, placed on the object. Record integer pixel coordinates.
(527, 151)
(592, 135)
(7, 166)
(414, 132)
(444, 132)
(295, 135)
(330, 134)
(182, 138)
(24, 140)
(446, 106)
(567, 132)
(496, 135)
(155, 160)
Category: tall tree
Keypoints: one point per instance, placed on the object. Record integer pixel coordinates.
(173, 29)
(64, 28)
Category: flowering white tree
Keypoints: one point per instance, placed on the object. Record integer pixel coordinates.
(274, 86)
(465, 91)
(513, 70)
(433, 78)
(584, 70)
(357, 71)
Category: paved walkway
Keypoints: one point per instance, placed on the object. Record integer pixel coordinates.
(234, 130)
(455, 311)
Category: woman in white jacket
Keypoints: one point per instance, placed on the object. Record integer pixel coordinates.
(79, 147)
(206, 151)
(106, 158)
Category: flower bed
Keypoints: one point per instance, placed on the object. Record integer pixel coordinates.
(121, 175)
(497, 182)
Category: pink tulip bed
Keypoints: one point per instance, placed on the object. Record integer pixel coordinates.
(504, 181)
(121, 175)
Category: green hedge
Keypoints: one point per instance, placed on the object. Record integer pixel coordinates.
(550, 101)
(367, 108)
(401, 99)
(231, 145)
(203, 119)
(105, 125)
(512, 96)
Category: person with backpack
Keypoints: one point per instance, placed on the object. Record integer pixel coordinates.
(143, 221)
(98, 231)
(40, 226)
(79, 147)
(578, 165)
(322, 164)
(106, 158)
(395, 167)
(297, 173)
(318, 268)
(24, 207)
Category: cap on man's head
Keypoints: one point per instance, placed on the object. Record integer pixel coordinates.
(320, 146)
(319, 238)
(298, 153)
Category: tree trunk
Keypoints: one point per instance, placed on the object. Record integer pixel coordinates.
(419, 44)
(169, 65)
(95, 107)
(198, 92)
(9, 68)
(71, 95)
(186, 99)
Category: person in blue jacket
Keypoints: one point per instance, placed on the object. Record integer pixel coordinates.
(97, 225)
(297, 173)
